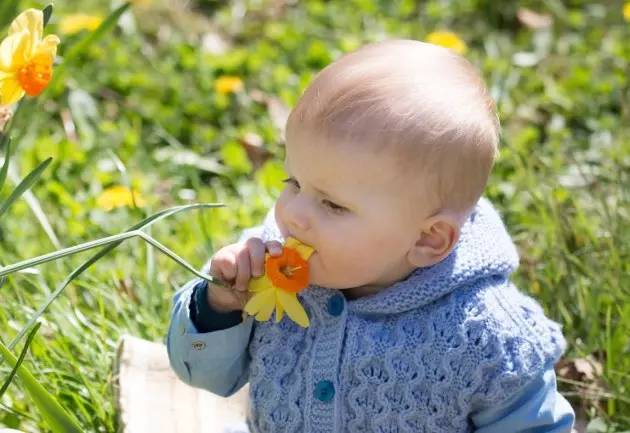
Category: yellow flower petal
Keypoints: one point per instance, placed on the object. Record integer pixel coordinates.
(279, 312)
(448, 40)
(13, 52)
(10, 91)
(31, 21)
(228, 84)
(259, 300)
(303, 250)
(626, 11)
(293, 308)
(118, 196)
(47, 48)
(259, 284)
(71, 24)
(266, 309)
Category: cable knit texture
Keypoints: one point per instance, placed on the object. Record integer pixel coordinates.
(420, 356)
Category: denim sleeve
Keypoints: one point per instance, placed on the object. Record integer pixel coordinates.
(215, 361)
(539, 408)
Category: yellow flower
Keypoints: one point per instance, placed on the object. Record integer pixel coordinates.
(228, 84)
(25, 58)
(118, 196)
(284, 276)
(72, 24)
(626, 11)
(447, 40)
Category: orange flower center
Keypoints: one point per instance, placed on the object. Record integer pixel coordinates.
(288, 272)
(34, 77)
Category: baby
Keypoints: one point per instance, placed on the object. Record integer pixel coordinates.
(414, 323)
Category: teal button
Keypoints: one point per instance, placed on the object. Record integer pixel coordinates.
(324, 391)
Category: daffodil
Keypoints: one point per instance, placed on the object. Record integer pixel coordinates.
(118, 196)
(228, 84)
(71, 24)
(626, 11)
(25, 58)
(277, 288)
(448, 40)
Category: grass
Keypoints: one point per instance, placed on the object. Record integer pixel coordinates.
(140, 107)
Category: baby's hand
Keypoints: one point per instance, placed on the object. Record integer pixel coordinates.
(236, 264)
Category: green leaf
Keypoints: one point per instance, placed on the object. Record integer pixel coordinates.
(83, 44)
(8, 11)
(48, 10)
(5, 167)
(58, 420)
(9, 379)
(26, 183)
(78, 271)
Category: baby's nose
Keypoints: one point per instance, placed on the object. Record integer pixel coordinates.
(295, 217)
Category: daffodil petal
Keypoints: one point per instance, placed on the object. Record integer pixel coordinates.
(10, 91)
(257, 302)
(47, 48)
(293, 308)
(259, 284)
(303, 250)
(279, 312)
(31, 21)
(13, 52)
(264, 313)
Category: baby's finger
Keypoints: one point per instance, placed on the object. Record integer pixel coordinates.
(274, 248)
(256, 256)
(244, 270)
(224, 267)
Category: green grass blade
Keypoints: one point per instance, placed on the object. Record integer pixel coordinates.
(5, 166)
(26, 183)
(48, 10)
(78, 271)
(58, 420)
(83, 44)
(8, 12)
(9, 379)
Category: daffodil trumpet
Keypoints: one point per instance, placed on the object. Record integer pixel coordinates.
(277, 288)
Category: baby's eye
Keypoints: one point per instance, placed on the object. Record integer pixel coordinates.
(291, 181)
(333, 207)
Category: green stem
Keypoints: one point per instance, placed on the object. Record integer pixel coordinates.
(100, 242)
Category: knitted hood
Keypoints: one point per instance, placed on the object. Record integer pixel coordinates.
(484, 250)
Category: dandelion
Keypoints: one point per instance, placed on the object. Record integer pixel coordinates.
(277, 288)
(25, 58)
(448, 40)
(228, 84)
(74, 23)
(118, 196)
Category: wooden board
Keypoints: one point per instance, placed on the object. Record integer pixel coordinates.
(151, 398)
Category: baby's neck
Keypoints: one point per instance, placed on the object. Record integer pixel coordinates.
(370, 289)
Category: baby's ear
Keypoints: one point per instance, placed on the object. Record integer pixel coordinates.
(437, 239)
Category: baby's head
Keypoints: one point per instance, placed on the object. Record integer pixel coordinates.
(388, 150)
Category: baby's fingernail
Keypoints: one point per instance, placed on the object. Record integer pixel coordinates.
(276, 250)
(257, 273)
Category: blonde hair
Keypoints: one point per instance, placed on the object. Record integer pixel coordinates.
(424, 102)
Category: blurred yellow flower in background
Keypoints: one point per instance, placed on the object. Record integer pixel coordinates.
(71, 24)
(25, 58)
(626, 11)
(118, 196)
(228, 84)
(448, 40)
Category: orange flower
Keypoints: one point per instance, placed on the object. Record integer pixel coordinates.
(288, 272)
(277, 289)
(26, 58)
